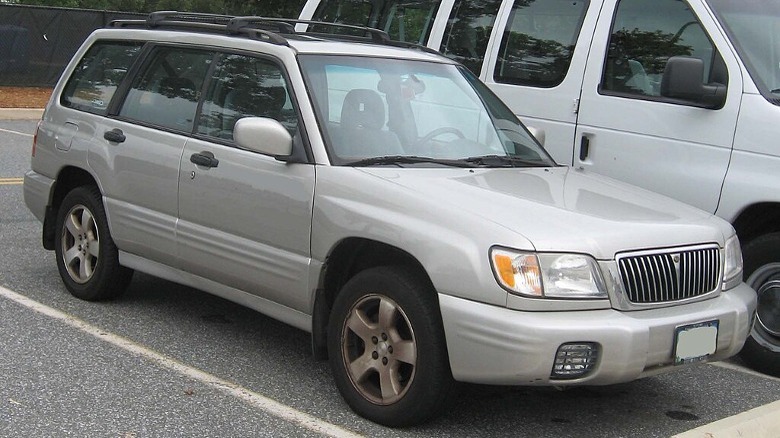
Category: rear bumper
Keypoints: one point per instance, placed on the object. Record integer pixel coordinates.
(494, 345)
(37, 193)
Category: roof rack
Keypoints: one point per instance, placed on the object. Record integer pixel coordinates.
(273, 30)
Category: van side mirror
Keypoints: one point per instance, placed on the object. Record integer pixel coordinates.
(683, 80)
(263, 135)
(538, 134)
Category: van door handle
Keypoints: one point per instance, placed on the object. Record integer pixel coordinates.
(584, 148)
(115, 136)
(205, 159)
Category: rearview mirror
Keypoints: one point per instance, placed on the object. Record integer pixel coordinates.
(683, 80)
(263, 135)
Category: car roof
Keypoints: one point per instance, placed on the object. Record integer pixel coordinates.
(251, 33)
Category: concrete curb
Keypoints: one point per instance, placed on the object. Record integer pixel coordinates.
(761, 422)
(21, 113)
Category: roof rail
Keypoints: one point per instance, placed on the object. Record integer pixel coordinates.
(162, 17)
(264, 28)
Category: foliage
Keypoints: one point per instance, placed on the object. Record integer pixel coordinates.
(271, 8)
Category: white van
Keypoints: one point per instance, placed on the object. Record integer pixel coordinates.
(678, 96)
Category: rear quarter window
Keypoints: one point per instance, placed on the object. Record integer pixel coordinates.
(94, 81)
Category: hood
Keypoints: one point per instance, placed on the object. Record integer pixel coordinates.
(562, 209)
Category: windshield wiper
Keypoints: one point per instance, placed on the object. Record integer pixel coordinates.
(505, 161)
(398, 160)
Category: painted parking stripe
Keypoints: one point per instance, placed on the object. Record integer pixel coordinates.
(15, 132)
(761, 422)
(11, 181)
(254, 399)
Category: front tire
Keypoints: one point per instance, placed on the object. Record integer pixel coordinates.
(762, 270)
(87, 259)
(387, 348)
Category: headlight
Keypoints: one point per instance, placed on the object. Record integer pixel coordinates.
(732, 266)
(548, 275)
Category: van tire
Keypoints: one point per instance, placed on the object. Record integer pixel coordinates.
(762, 271)
(87, 258)
(387, 389)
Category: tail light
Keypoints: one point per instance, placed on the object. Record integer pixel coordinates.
(35, 137)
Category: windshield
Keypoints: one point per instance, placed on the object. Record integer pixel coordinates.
(413, 113)
(754, 27)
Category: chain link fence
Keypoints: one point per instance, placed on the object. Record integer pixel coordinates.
(36, 42)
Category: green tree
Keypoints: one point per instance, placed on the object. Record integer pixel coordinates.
(270, 8)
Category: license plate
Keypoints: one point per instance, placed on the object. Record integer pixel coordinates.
(693, 343)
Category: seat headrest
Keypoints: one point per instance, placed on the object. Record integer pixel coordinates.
(363, 108)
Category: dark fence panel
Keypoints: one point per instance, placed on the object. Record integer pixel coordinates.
(37, 42)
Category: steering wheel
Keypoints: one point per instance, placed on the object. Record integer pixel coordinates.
(437, 132)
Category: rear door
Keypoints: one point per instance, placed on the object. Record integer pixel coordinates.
(537, 62)
(627, 130)
(245, 219)
(140, 148)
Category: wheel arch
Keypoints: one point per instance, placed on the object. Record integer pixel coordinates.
(67, 179)
(757, 220)
(347, 258)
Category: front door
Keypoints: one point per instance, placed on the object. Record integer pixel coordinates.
(245, 219)
(627, 130)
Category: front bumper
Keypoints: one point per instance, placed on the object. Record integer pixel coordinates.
(494, 345)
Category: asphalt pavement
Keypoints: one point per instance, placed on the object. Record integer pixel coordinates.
(165, 360)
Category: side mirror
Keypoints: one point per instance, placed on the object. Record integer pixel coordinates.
(263, 135)
(683, 80)
(538, 134)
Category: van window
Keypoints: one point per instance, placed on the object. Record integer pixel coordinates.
(645, 34)
(166, 93)
(243, 86)
(538, 42)
(98, 75)
(403, 20)
(468, 32)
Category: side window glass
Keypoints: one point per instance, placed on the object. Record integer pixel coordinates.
(538, 42)
(98, 75)
(243, 86)
(645, 34)
(403, 20)
(409, 20)
(354, 12)
(468, 32)
(166, 93)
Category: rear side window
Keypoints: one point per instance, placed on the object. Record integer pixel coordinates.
(243, 86)
(166, 93)
(645, 34)
(98, 74)
(538, 42)
(468, 32)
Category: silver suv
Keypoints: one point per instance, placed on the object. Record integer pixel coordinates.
(379, 197)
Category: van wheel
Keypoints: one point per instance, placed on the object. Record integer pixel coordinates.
(87, 258)
(762, 269)
(387, 348)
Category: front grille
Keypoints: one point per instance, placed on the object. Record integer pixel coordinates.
(670, 276)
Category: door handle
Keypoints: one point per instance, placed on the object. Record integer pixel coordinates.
(584, 148)
(205, 159)
(115, 136)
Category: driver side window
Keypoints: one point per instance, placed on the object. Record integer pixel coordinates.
(645, 34)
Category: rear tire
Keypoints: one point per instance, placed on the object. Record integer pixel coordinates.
(387, 349)
(87, 258)
(762, 270)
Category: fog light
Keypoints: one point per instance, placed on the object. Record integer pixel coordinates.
(573, 361)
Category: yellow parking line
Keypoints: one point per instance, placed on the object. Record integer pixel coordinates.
(11, 181)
